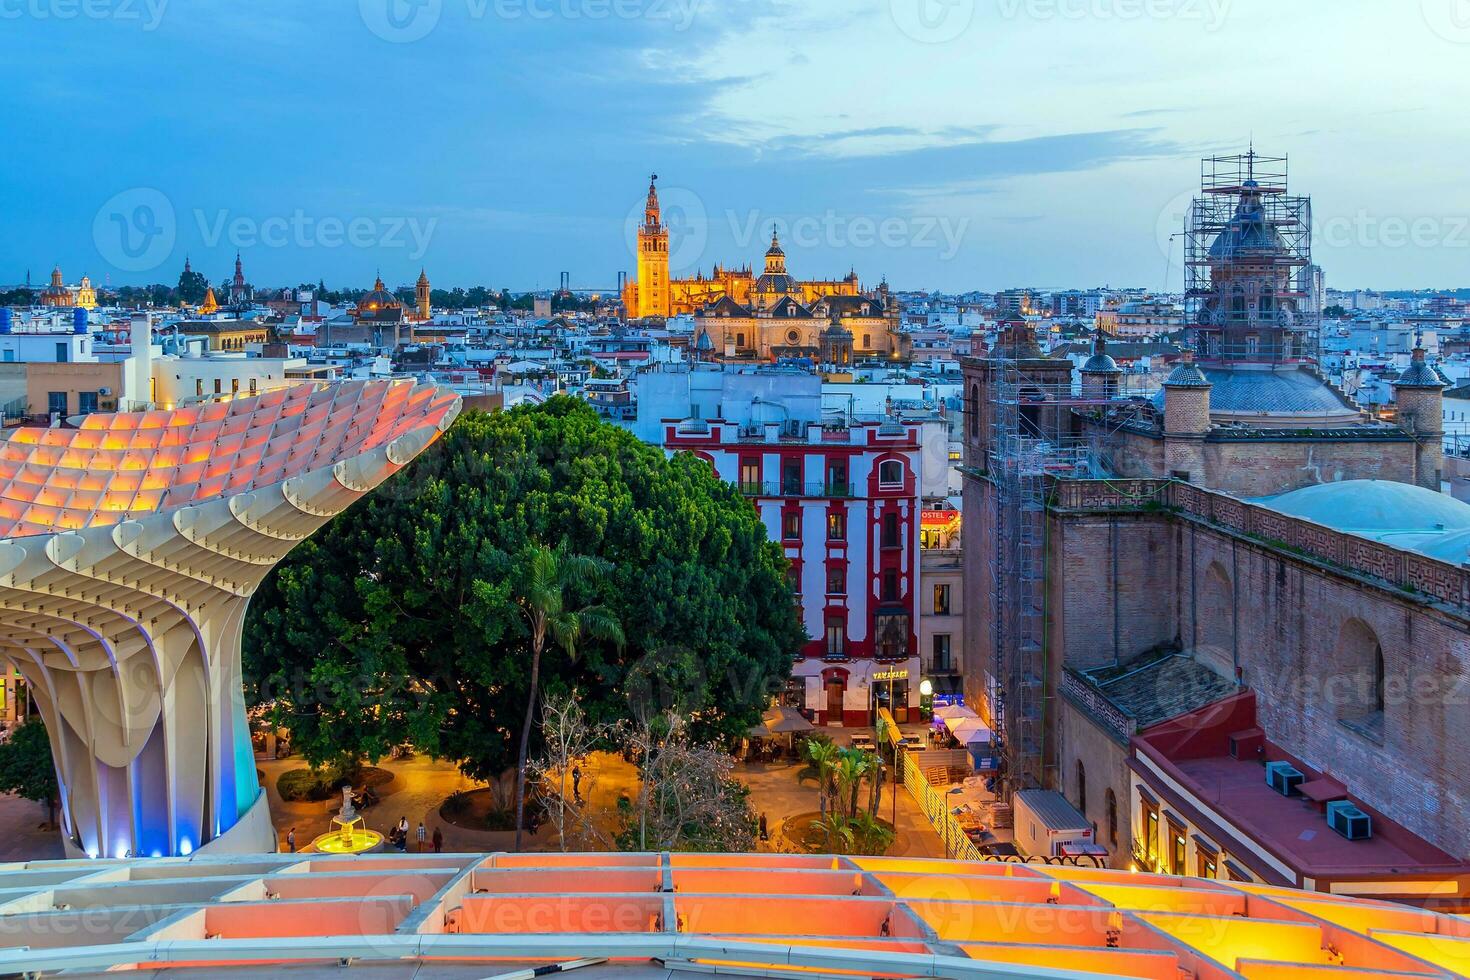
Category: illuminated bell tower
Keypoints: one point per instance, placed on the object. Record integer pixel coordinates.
(421, 294)
(653, 259)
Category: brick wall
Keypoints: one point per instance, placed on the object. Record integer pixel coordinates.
(1301, 630)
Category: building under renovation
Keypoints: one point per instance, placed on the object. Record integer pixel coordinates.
(1246, 556)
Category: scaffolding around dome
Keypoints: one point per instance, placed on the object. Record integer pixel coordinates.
(131, 546)
(1250, 284)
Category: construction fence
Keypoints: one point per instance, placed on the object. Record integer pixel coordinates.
(935, 805)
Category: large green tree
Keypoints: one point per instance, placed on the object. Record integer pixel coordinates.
(399, 621)
(26, 768)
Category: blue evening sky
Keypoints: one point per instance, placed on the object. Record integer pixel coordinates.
(948, 144)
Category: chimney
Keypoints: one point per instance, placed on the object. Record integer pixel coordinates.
(141, 370)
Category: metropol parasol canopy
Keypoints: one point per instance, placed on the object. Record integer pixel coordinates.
(129, 549)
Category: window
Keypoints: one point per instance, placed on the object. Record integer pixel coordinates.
(1110, 802)
(941, 600)
(750, 475)
(836, 581)
(234, 386)
(890, 585)
(61, 353)
(791, 525)
(890, 530)
(793, 579)
(791, 477)
(1378, 700)
(1206, 861)
(1151, 832)
(836, 636)
(890, 474)
(891, 631)
(56, 402)
(199, 387)
(1081, 788)
(837, 479)
(217, 388)
(837, 526)
(9, 355)
(740, 341)
(1177, 850)
(252, 386)
(973, 409)
(86, 402)
(941, 660)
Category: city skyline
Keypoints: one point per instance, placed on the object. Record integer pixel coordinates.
(317, 142)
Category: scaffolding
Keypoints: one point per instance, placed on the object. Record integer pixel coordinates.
(1040, 431)
(1252, 291)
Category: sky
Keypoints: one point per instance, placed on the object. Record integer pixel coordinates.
(940, 144)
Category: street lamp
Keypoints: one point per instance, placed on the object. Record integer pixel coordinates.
(926, 688)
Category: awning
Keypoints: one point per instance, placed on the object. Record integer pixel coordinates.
(968, 731)
(783, 720)
(949, 711)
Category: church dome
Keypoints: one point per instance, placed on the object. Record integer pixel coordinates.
(1374, 507)
(378, 299)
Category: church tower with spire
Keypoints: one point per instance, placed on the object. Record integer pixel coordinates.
(421, 294)
(653, 259)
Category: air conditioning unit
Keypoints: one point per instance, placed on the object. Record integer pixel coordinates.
(1349, 821)
(1284, 777)
(1247, 744)
(104, 392)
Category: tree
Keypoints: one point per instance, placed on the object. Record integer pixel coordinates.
(849, 826)
(568, 738)
(688, 798)
(192, 287)
(398, 621)
(26, 768)
(554, 576)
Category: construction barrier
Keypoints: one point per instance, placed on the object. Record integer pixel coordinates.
(935, 805)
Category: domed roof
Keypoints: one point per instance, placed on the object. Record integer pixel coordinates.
(1248, 233)
(775, 248)
(1419, 374)
(378, 299)
(1187, 375)
(1375, 508)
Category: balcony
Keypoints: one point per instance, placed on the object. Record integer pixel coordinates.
(839, 491)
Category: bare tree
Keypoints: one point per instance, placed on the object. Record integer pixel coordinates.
(569, 738)
(688, 798)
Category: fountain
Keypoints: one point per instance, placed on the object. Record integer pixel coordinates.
(348, 834)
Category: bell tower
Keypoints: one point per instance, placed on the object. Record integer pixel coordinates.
(421, 294)
(653, 259)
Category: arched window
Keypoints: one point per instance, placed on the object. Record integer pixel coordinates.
(1378, 700)
(974, 409)
(890, 474)
(1237, 302)
(1111, 802)
(1081, 788)
(1268, 301)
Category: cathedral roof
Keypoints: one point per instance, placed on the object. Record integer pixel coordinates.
(1248, 233)
(725, 307)
(1401, 515)
(788, 308)
(379, 300)
(776, 282)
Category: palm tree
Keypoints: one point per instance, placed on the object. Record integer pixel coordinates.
(821, 755)
(550, 575)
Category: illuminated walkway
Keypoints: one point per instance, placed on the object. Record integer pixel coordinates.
(131, 546)
(767, 913)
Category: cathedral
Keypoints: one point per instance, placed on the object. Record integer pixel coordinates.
(743, 316)
(60, 294)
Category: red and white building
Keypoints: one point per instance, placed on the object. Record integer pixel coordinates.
(843, 499)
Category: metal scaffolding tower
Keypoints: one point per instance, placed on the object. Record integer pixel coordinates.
(1039, 432)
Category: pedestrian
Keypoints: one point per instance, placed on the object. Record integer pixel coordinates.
(576, 784)
(291, 840)
(764, 835)
(438, 841)
(403, 833)
(421, 835)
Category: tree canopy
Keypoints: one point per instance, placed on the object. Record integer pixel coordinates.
(26, 768)
(398, 621)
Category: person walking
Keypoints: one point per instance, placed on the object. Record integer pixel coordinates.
(421, 835)
(576, 784)
(291, 840)
(438, 841)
